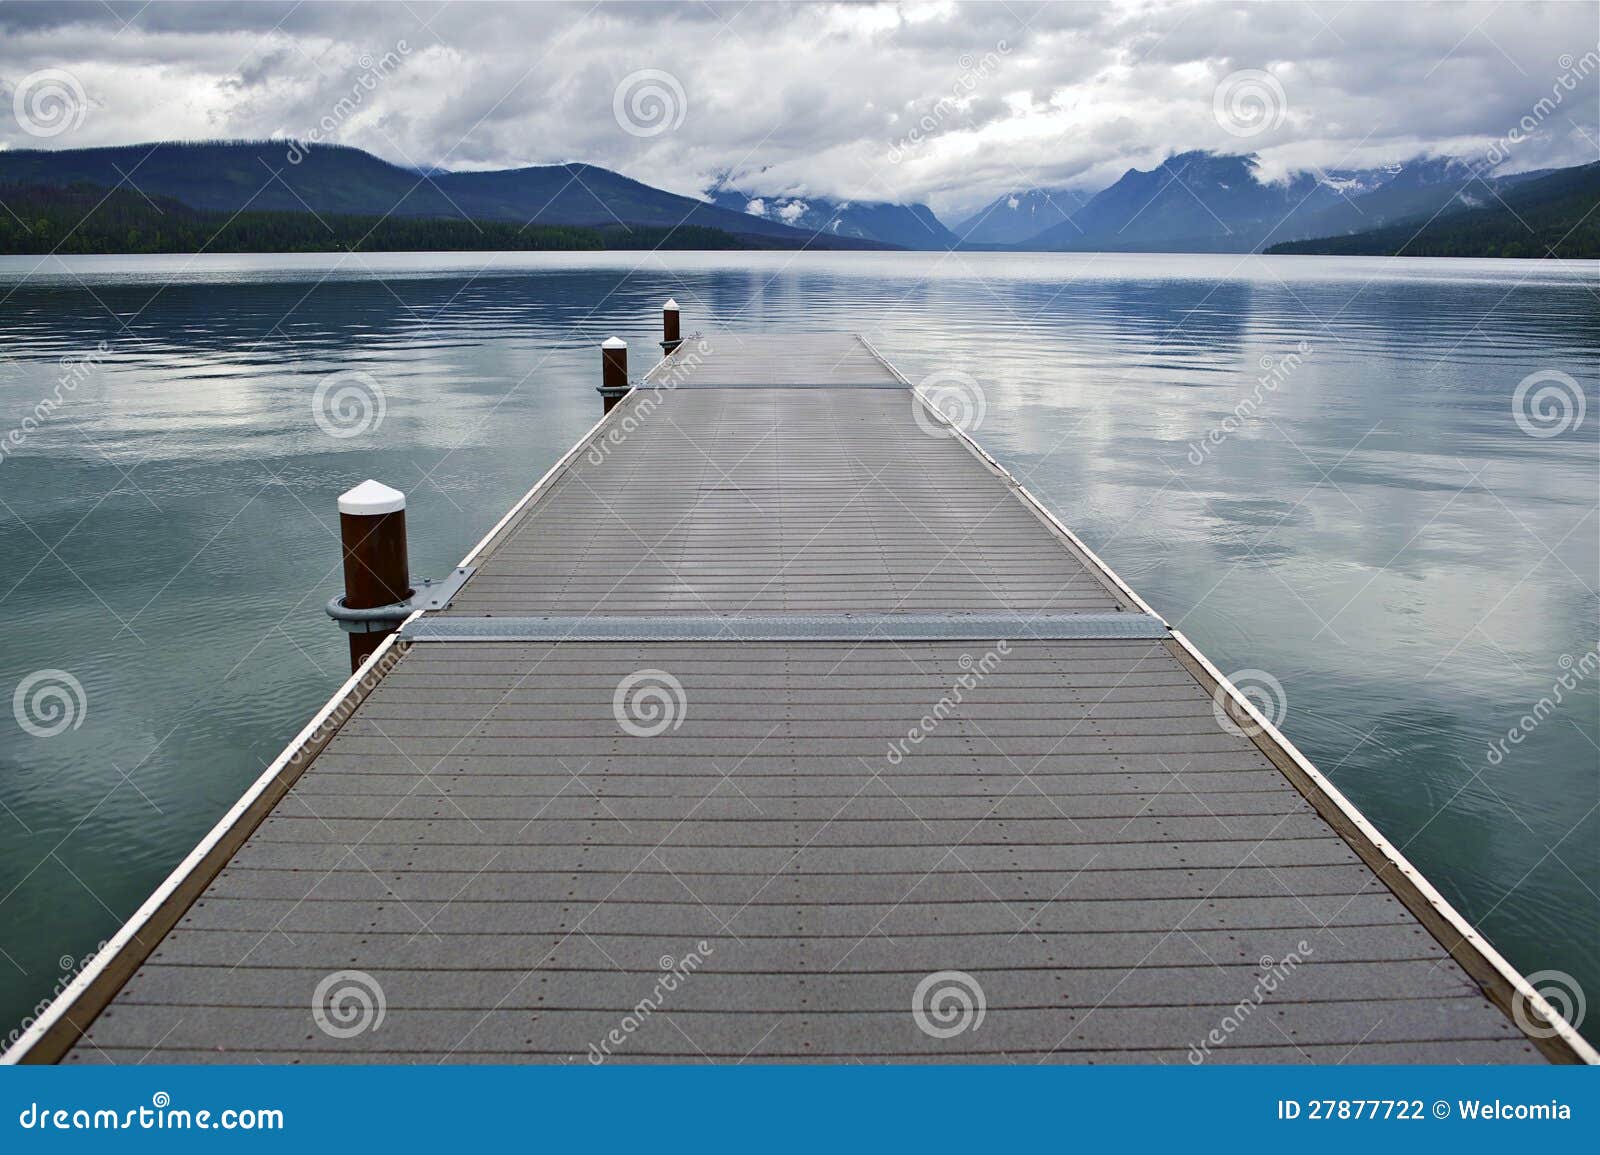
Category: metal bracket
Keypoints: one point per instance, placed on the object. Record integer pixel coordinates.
(427, 594)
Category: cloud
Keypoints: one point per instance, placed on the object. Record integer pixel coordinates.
(945, 102)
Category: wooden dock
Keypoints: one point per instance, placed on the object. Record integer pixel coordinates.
(775, 710)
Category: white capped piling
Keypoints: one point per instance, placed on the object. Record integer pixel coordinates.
(613, 372)
(670, 332)
(372, 533)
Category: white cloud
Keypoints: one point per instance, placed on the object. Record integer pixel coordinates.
(818, 97)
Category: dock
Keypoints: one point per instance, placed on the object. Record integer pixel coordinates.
(779, 723)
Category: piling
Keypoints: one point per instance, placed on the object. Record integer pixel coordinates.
(613, 372)
(670, 338)
(372, 532)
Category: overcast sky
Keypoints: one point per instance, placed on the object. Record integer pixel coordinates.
(942, 102)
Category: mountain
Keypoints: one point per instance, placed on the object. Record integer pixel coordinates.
(1206, 202)
(92, 219)
(911, 226)
(1547, 215)
(1418, 188)
(1015, 217)
(1194, 202)
(230, 176)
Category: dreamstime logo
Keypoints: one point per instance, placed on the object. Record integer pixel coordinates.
(1572, 673)
(1564, 995)
(49, 102)
(347, 1004)
(374, 674)
(1547, 404)
(649, 102)
(374, 70)
(349, 403)
(47, 702)
(70, 968)
(1268, 979)
(1572, 72)
(679, 369)
(973, 73)
(1249, 102)
(1275, 372)
(675, 972)
(649, 702)
(75, 370)
(954, 396)
(950, 702)
(1262, 691)
(948, 1003)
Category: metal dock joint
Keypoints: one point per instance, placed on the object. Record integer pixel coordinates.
(427, 594)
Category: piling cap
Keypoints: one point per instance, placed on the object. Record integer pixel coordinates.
(371, 498)
(671, 306)
(613, 343)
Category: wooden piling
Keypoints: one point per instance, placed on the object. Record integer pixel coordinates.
(372, 532)
(613, 372)
(670, 331)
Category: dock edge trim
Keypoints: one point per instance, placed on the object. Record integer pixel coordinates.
(59, 1027)
(1501, 982)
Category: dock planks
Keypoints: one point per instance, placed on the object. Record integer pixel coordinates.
(1072, 828)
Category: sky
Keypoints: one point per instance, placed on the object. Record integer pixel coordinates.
(945, 103)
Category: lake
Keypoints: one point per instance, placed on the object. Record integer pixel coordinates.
(1372, 483)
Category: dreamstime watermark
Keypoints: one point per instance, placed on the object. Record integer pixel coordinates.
(974, 673)
(349, 403)
(160, 1115)
(948, 1003)
(1547, 403)
(348, 1003)
(374, 71)
(346, 706)
(75, 370)
(1272, 974)
(973, 73)
(1262, 691)
(1276, 371)
(649, 102)
(70, 969)
(1249, 102)
(1573, 673)
(676, 973)
(954, 396)
(1562, 992)
(679, 369)
(1572, 71)
(49, 102)
(49, 702)
(649, 702)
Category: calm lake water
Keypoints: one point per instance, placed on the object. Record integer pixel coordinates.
(1378, 532)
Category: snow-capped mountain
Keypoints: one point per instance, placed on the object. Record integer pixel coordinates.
(911, 226)
(1014, 217)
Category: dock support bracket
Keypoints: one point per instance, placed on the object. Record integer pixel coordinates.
(426, 595)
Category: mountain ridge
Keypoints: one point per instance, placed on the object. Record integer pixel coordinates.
(235, 176)
(1218, 202)
(1547, 215)
(1195, 201)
